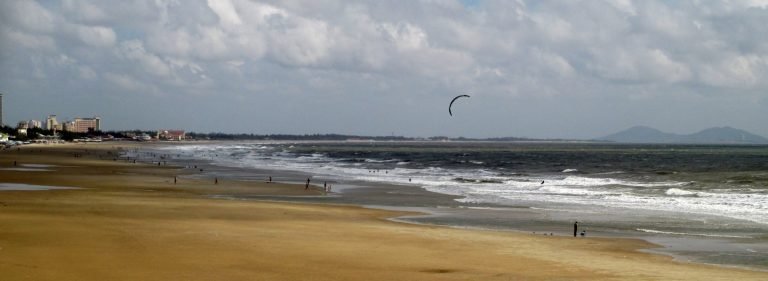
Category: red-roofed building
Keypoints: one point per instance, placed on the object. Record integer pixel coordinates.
(176, 135)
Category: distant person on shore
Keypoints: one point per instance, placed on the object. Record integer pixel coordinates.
(14, 163)
(216, 180)
(174, 179)
(575, 228)
(306, 186)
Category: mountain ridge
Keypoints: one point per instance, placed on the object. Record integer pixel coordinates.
(714, 135)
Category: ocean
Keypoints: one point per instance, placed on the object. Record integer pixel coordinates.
(705, 203)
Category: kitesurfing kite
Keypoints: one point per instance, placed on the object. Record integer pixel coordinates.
(454, 99)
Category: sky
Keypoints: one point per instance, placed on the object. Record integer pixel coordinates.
(538, 69)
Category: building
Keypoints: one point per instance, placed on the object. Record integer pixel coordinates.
(83, 125)
(142, 137)
(176, 135)
(34, 124)
(68, 126)
(51, 123)
(21, 128)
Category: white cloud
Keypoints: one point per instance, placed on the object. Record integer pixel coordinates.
(31, 41)
(757, 3)
(29, 16)
(97, 36)
(639, 65)
(87, 73)
(133, 50)
(124, 81)
(84, 10)
(405, 36)
(226, 12)
(736, 71)
(552, 63)
(625, 6)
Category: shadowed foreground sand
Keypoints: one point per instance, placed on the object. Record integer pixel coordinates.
(130, 222)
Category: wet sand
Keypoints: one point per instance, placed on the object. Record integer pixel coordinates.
(131, 222)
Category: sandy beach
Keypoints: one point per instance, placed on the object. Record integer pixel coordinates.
(129, 221)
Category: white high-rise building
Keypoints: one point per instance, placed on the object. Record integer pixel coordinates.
(51, 123)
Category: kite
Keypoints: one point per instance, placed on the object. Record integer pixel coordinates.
(454, 99)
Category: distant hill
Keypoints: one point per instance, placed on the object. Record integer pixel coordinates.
(717, 135)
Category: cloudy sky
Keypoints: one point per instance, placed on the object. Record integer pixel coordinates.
(545, 69)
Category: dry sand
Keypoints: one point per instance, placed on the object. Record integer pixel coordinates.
(130, 222)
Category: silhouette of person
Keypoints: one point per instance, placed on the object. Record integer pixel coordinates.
(575, 228)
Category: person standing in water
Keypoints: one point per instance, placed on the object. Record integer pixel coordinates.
(307, 185)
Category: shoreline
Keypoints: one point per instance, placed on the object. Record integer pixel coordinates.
(443, 210)
(148, 190)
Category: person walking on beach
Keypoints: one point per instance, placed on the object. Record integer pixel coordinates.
(575, 228)
(307, 185)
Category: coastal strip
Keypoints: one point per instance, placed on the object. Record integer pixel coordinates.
(139, 221)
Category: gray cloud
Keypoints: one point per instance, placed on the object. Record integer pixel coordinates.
(537, 69)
